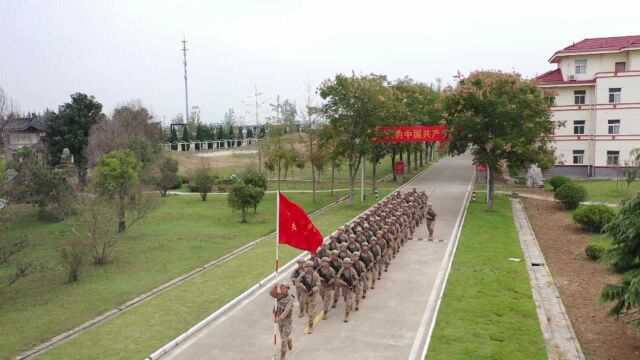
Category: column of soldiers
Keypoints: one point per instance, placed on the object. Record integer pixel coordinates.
(355, 257)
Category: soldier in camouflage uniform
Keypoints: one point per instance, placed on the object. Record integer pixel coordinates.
(347, 280)
(333, 244)
(327, 285)
(369, 262)
(336, 264)
(322, 251)
(294, 280)
(362, 286)
(344, 253)
(310, 284)
(352, 245)
(283, 316)
(431, 220)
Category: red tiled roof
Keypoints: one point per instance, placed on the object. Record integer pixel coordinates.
(550, 76)
(600, 44)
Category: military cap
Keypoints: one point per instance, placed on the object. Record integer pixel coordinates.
(285, 284)
(365, 243)
(356, 253)
(335, 252)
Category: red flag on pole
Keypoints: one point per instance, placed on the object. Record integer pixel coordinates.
(295, 228)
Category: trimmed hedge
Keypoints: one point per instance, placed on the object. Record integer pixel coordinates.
(570, 195)
(593, 217)
(557, 181)
(594, 250)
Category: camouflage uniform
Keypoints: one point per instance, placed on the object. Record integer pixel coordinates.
(310, 282)
(336, 264)
(369, 261)
(362, 286)
(284, 317)
(348, 280)
(431, 220)
(294, 280)
(327, 285)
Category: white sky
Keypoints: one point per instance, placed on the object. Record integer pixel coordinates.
(124, 50)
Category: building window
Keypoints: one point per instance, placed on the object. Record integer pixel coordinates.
(581, 66)
(578, 156)
(613, 157)
(578, 127)
(614, 127)
(614, 95)
(580, 97)
(621, 66)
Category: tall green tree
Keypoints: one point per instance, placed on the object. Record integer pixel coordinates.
(117, 176)
(624, 255)
(499, 117)
(173, 137)
(354, 107)
(70, 129)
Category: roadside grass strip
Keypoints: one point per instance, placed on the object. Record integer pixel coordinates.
(487, 311)
(140, 331)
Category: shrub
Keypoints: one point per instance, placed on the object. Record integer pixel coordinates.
(73, 254)
(557, 181)
(203, 182)
(570, 195)
(520, 180)
(593, 217)
(594, 250)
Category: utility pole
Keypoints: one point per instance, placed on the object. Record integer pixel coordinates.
(257, 135)
(186, 91)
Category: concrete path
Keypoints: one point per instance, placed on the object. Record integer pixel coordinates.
(390, 318)
(558, 333)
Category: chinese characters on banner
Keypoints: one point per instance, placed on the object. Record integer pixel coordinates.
(395, 134)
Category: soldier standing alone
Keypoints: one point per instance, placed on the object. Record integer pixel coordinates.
(431, 220)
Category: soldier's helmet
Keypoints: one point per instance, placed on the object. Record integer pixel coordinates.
(308, 264)
(373, 238)
(325, 259)
(285, 285)
(335, 252)
(343, 245)
(429, 205)
(323, 245)
(366, 225)
(334, 236)
(356, 254)
(300, 261)
(365, 244)
(346, 261)
(352, 237)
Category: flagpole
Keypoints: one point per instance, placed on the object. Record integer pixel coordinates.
(275, 324)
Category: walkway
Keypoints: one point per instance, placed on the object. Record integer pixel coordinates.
(394, 320)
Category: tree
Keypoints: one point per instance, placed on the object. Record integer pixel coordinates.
(73, 254)
(168, 175)
(254, 178)
(194, 120)
(11, 245)
(3, 169)
(220, 134)
(230, 119)
(95, 225)
(204, 181)
(499, 117)
(310, 129)
(242, 197)
(186, 135)
(354, 106)
(249, 133)
(70, 129)
(173, 137)
(40, 185)
(289, 113)
(624, 255)
(279, 151)
(117, 176)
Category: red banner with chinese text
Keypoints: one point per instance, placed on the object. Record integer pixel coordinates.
(420, 133)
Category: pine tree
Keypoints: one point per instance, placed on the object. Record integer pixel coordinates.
(173, 137)
(249, 133)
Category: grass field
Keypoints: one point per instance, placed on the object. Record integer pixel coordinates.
(608, 190)
(487, 311)
(180, 235)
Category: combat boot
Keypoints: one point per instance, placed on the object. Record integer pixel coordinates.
(324, 316)
(347, 316)
(290, 343)
(310, 328)
(357, 305)
(283, 354)
(335, 303)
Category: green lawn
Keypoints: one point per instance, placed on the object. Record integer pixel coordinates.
(488, 311)
(608, 190)
(176, 238)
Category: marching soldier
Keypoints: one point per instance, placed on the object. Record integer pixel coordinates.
(283, 316)
(352, 245)
(344, 253)
(347, 280)
(327, 285)
(361, 287)
(294, 279)
(322, 251)
(333, 244)
(369, 262)
(431, 220)
(336, 264)
(310, 282)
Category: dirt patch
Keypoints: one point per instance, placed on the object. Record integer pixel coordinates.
(579, 281)
(191, 161)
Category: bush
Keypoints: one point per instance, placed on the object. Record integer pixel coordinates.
(593, 217)
(203, 182)
(570, 195)
(594, 250)
(520, 180)
(73, 254)
(557, 181)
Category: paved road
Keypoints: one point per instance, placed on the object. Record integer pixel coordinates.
(391, 319)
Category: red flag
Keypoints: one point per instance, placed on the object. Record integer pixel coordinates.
(295, 228)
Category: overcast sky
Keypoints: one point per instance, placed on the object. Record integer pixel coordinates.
(124, 50)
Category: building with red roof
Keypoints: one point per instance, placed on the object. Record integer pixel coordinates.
(594, 95)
